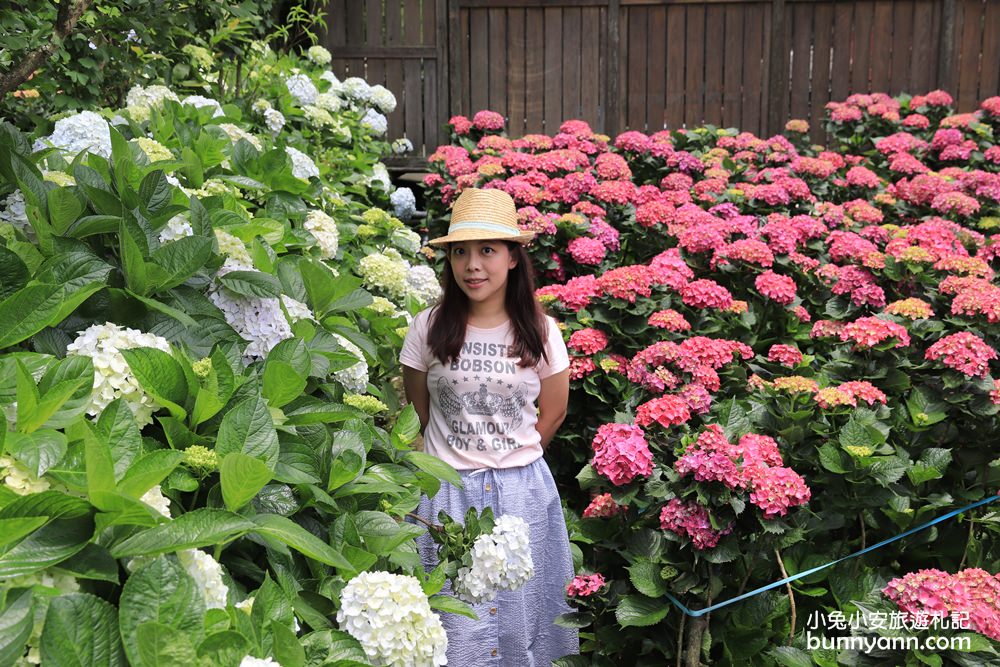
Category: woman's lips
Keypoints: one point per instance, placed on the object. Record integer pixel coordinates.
(474, 282)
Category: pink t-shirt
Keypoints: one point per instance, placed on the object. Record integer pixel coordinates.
(482, 405)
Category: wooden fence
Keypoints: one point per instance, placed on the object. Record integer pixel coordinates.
(653, 64)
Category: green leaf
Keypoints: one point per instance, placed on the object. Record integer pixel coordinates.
(81, 630)
(734, 419)
(68, 529)
(28, 311)
(181, 259)
(789, 656)
(252, 284)
(12, 530)
(407, 427)
(435, 466)
(159, 592)
(116, 427)
(310, 410)
(16, 622)
(160, 645)
(452, 605)
(149, 470)
(155, 192)
(14, 273)
(65, 391)
(645, 576)
(198, 528)
(241, 477)
(381, 533)
(38, 451)
(249, 429)
(223, 648)
(887, 470)
(282, 384)
(93, 562)
(924, 408)
(64, 209)
(830, 458)
(333, 647)
(160, 375)
(640, 611)
(100, 467)
(287, 650)
(855, 434)
(295, 536)
(133, 261)
(356, 300)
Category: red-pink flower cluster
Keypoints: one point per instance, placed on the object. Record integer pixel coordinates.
(588, 341)
(778, 288)
(965, 352)
(786, 355)
(621, 453)
(691, 520)
(666, 411)
(585, 585)
(938, 594)
(603, 507)
(866, 332)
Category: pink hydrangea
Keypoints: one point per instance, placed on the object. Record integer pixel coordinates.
(587, 251)
(488, 120)
(864, 390)
(705, 293)
(786, 355)
(965, 352)
(581, 367)
(460, 124)
(588, 341)
(712, 458)
(868, 332)
(603, 507)
(666, 410)
(585, 585)
(776, 287)
(775, 490)
(670, 320)
(691, 520)
(621, 453)
(938, 594)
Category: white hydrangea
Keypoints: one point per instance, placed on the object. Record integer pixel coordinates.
(301, 87)
(155, 499)
(423, 284)
(385, 271)
(330, 102)
(401, 146)
(83, 131)
(391, 617)
(501, 560)
(19, 479)
(380, 174)
(354, 378)
(234, 248)
(324, 230)
(382, 306)
(296, 309)
(259, 321)
(302, 165)
(274, 119)
(382, 98)
(13, 210)
(317, 116)
(172, 180)
(149, 97)
(246, 606)
(319, 55)
(200, 101)
(250, 661)
(235, 133)
(375, 122)
(335, 85)
(177, 227)
(113, 378)
(406, 240)
(404, 203)
(207, 573)
(260, 106)
(357, 90)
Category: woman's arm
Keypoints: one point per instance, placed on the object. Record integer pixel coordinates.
(415, 386)
(552, 401)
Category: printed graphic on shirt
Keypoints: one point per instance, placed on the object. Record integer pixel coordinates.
(471, 415)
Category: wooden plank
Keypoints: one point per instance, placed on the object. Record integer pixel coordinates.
(354, 23)
(753, 69)
(840, 78)
(923, 60)
(572, 56)
(694, 67)
(534, 24)
(590, 67)
(533, 3)
(882, 40)
(656, 65)
(636, 69)
(989, 83)
(864, 13)
(947, 51)
(428, 22)
(967, 98)
(336, 25)
(552, 113)
(431, 105)
(674, 113)
(801, 39)
(902, 46)
(715, 26)
(497, 98)
(612, 98)
(394, 67)
(820, 89)
(776, 90)
(384, 52)
(414, 113)
(456, 91)
(439, 72)
(732, 73)
(394, 23)
(515, 71)
(374, 23)
(479, 60)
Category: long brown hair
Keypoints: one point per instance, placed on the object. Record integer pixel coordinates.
(450, 317)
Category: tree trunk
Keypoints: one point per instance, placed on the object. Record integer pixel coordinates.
(68, 14)
(692, 653)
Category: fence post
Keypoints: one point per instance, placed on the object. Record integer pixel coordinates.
(946, 49)
(612, 90)
(454, 72)
(777, 75)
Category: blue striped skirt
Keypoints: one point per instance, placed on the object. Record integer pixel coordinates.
(516, 628)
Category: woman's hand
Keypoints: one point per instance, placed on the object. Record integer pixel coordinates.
(552, 401)
(415, 386)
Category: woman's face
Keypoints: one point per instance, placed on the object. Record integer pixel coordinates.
(480, 268)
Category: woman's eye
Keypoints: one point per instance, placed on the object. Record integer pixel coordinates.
(487, 250)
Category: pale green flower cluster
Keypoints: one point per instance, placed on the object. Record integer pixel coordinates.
(153, 149)
(235, 133)
(232, 247)
(385, 271)
(319, 55)
(19, 479)
(324, 229)
(365, 403)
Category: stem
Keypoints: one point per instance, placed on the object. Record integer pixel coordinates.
(864, 540)
(431, 526)
(692, 656)
(743, 584)
(968, 542)
(680, 639)
(791, 596)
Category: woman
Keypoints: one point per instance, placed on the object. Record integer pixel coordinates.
(474, 367)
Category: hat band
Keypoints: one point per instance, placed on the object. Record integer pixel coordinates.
(506, 230)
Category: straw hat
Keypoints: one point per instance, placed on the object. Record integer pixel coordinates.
(480, 215)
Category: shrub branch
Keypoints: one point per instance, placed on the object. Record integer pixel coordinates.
(69, 13)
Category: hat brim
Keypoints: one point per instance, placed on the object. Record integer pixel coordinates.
(476, 235)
